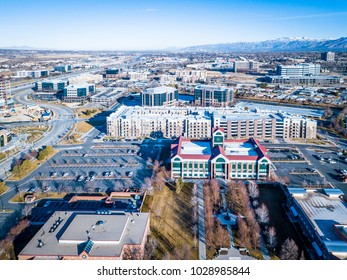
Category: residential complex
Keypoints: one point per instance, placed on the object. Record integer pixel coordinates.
(77, 236)
(159, 96)
(196, 123)
(322, 216)
(214, 96)
(191, 76)
(219, 158)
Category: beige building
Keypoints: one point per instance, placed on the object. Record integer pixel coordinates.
(78, 236)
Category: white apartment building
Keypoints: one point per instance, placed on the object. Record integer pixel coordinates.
(196, 123)
(191, 76)
(138, 76)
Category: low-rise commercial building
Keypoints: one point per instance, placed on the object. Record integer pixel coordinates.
(108, 95)
(77, 236)
(219, 158)
(322, 216)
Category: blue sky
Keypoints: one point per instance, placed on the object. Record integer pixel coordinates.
(142, 24)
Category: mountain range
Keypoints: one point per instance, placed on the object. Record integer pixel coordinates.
(280, 44)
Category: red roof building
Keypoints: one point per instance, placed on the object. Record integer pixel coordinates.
(219, 158)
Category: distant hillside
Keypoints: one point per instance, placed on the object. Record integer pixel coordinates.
(281, 44)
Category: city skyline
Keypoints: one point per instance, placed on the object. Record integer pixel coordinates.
(155, 25)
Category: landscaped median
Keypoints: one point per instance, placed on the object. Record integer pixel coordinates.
(30, 162)
(20, 197)
(3, 187)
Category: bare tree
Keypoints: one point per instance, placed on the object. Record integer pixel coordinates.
(150, 247)
(215, 188)
(132, 253)
(253, 190)
(195, 229)
(147, 187)
(243, 232)
(262, 214)
(156, 166)
(26, 211)
(272, 238)
(289, 250)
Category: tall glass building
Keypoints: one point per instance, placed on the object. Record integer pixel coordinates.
(213, 96)
(159, 96)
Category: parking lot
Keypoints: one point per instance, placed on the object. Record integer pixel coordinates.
(319, 167)
(99, 168)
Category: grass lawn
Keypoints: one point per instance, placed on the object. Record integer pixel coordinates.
(34, 164)
(82, 112)
(83, 127)
(2, 156)
(171, 222)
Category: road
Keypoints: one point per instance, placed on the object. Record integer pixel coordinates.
(63, 119)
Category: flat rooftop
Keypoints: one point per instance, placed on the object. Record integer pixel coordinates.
(67, 234)
(100, 229)
(324, 212)
(196, 148)
(239, 149)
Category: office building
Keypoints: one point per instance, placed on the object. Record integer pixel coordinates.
(51, 85)
(78, 236)
(32, 73)
(305, 80)
(302, 69)
(214, 96)
(246, 66)
(322, 216)
(328, 56)
(159, 96)
(196, 123)
(78, 93)
(62, 68)
(112, 74)
(219, 158)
